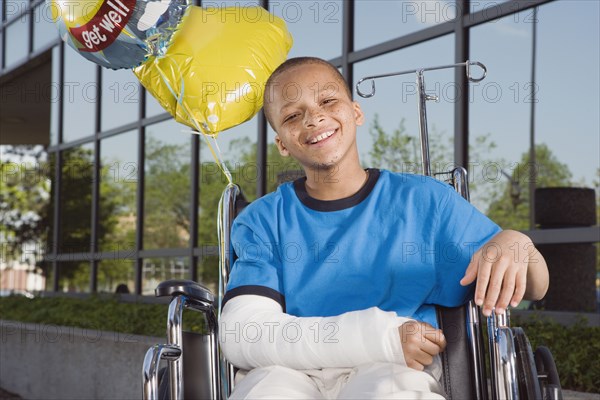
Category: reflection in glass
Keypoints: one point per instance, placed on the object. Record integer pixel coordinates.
(44, 30)
(54, 97)
(118, 186)
(120, 98)
(79, 96)
(308, 21)
(76, 199)
(17, 39)
(389, 137)
(382, 20)
(500, 110)
(156, 270)
(116, 276)
(167, 186)
(74, 276)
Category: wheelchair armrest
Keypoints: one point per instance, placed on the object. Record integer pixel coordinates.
(191, 289)
(462, 379)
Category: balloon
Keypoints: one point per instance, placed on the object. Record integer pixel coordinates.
(117, 33)
(213, 72)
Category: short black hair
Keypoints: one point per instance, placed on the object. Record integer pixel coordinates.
(297, 61)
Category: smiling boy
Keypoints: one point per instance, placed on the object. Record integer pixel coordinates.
(333, 291)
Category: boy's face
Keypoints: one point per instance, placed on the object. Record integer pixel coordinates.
(313, 116)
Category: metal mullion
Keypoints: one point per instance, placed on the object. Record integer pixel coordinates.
(402, 42)
(194, 205)
(261, 142)
(3, 44)
(504, 9)
(461, 107)
(56, 231)
(96, 186)
(139, 228)
(30, 27)
(161, 253)
(206, 251)
(347, 41)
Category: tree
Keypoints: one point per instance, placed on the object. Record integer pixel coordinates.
(548, 171)
(400, 151)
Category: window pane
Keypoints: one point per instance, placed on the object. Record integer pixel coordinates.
(167, 186)
(116, 276)
(76, 199)
(118, 186)
(79, 96)
(17, 41)
(208, 273)
(312, 22)
(54, 97)
(499, 108)
(565, 122)
(156, 270)
(74, 277)
(120, 98)
(44, 30)
(382, 20)
(24, 208)
(394, 108)
(152, 106)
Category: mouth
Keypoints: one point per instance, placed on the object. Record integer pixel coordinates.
(321, 137)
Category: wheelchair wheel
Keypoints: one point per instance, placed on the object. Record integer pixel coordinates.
(548, 374)
(527, 374)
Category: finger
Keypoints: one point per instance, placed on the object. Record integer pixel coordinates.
(507, 291)
(431, 348)
(471, 271)
(435, 336)
(424, 358)
(520, 286)
(494, 286)
(483, 277)
(415, 365)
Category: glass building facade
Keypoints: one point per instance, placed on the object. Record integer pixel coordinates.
(132, 195)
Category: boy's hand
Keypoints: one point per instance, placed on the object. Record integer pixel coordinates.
(420, 343)
(500, 267)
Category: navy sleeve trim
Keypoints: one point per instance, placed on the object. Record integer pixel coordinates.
(256, 290)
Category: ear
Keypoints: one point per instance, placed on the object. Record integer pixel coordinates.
(359, 116)
(281, 147)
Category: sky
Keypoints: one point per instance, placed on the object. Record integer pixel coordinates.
(566, 91)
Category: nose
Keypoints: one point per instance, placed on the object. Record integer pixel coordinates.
(313, 117)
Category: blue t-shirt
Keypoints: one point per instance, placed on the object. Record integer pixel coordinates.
(402, 243)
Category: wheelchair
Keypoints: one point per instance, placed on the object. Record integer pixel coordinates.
(201, 371)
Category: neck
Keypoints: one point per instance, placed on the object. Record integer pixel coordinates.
(335, 182)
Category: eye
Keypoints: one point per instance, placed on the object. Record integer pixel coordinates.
(290, 118)
(329, 101)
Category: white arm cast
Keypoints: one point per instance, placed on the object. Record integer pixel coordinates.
(255, 332)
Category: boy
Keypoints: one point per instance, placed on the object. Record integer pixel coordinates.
(332, 293)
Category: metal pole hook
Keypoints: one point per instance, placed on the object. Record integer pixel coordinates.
(467, 64)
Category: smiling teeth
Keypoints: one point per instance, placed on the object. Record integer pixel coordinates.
(322, 136)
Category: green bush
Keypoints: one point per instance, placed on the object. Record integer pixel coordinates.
(575, 349)
(107, 314)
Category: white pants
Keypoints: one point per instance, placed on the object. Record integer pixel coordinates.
(370, 381)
